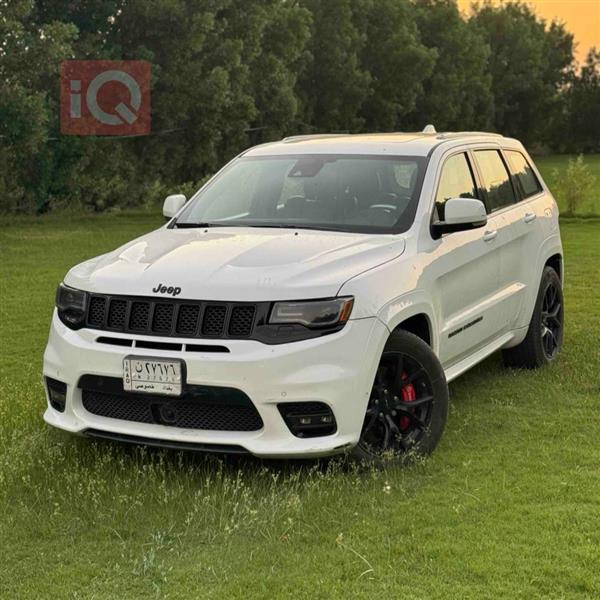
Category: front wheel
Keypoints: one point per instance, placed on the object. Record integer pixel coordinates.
(408, 406)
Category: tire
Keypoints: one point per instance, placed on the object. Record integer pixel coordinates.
(544, 338)
(408, 406)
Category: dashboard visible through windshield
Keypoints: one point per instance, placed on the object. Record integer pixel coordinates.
(333, 192)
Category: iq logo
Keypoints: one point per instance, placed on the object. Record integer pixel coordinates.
(105, 97)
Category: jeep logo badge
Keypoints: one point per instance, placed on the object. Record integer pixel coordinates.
(163, 289)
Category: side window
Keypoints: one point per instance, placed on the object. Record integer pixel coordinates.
(496, 181)
(520, 169)
(456, 181)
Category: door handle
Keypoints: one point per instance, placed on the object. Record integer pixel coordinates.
(529, 217)
(488, 236)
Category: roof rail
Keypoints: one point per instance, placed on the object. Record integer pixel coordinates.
(312, 136)
(458, 134)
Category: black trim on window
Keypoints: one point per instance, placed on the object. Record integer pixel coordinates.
(483, 187)
(515, 179)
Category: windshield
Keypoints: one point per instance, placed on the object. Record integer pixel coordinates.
(335, 192)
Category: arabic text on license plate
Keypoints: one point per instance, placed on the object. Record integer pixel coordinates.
(152, 376)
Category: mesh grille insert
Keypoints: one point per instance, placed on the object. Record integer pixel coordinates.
(138, 319)
(214, 320)
(187, 320)
(241, 320)
(97, 311)
(116, 314)
(163, 318)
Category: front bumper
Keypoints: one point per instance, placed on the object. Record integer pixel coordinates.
(337, 369)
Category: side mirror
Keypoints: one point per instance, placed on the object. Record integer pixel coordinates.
(460, 214)
(172, 205)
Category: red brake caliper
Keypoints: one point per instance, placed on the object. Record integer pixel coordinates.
(408, 395)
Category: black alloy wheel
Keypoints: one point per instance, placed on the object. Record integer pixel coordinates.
(407, 408)
(552, 316)
(544, 338)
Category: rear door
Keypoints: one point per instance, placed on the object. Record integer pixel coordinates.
(527, 218)
(464, 270)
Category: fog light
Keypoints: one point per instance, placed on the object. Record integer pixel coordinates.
(57, 394)
(308, 419)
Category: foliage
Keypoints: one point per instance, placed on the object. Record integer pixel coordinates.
(553, 169)
(457, 93)
(582, 108)
(227, 74)
(528, 63)
(575, 186)
(507, 506)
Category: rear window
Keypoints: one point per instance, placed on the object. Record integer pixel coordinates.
(496, 180)
(527, 182)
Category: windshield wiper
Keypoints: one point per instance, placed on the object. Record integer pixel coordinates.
(184, 225)
(284, 226)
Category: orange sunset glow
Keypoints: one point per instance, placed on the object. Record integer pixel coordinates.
(581, 17)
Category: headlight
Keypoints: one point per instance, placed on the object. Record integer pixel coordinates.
(71, 305)
(313, 313)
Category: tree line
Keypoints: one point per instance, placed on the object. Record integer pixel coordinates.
(227, 74)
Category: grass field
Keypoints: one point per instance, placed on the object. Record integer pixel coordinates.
(556, 164)
(507, 507)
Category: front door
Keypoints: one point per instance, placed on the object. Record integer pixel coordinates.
(464, 271)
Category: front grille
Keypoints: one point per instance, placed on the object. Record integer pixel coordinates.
(217, 409)
(178, 318)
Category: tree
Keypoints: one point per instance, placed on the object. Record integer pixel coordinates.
(457, 94)
(529, 64)
(29, 62)
(396, 60)
(582, 100)
(333, 84)
(283, 35)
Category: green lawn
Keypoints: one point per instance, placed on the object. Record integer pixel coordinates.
(549, 165)
(507, 507)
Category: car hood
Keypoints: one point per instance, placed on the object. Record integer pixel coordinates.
(233, 263)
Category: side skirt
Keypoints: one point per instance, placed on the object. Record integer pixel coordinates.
(453, 371)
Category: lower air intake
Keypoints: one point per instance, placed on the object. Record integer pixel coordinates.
(217, 409)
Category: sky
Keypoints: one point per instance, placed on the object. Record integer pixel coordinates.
(581, 17)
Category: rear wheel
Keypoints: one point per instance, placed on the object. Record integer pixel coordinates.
(545, 334)
(408, 405)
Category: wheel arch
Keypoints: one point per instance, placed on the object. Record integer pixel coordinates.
(414, 313)
(556, 262)
(550, 254)
(419, 325)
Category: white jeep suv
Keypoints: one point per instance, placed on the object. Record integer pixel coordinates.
(314, 297)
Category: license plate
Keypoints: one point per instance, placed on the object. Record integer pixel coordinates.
(152, 375)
